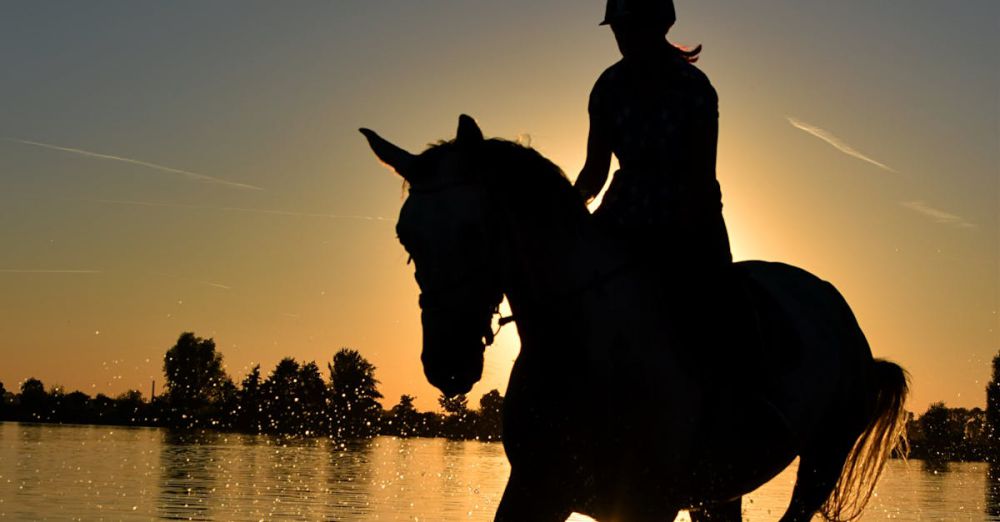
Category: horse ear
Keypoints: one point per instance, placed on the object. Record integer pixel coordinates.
(390, 154)
(468, 130)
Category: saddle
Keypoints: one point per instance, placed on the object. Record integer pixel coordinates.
(735, 331)
(765, 325)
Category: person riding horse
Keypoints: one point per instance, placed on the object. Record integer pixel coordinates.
(604, 414)
(658, 114)
(608, 411)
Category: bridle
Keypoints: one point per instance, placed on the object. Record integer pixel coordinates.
(442, 299)
(427, 303)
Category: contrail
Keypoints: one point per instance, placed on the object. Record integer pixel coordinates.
(199, 281)
(939, 216)
(192, 175)
(837, 143)
(33, 271)
(235, 209)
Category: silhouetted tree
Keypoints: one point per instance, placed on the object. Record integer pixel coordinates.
(3, 402)
(993, 412)
(457, 405)
(353, 395)
(975, 434)
(250, 410)
(54, 409)
(950, 434)
(225, 406)
(936, 429)
(105, 409)
(311, 392)
(130, 407)
(404, 420)
(72, 408)
(280, 406)
(431, 424)
(293, 399)
(460, 423)
(195, 379)
(33, 401)
(34, 404)
(490, 415)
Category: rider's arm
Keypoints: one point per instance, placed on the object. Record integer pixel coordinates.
(595, 171)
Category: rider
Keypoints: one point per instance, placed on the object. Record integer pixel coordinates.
(658, 114)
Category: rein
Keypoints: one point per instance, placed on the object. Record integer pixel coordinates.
(597, 280)
(490, 335)
(468, 283)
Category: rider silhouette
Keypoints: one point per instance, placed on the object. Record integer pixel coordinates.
(658, 114)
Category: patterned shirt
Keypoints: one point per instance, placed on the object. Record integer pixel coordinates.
(662, 124)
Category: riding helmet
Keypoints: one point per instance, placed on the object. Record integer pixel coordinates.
(657, 10)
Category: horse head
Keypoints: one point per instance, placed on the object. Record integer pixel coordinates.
(443, 225)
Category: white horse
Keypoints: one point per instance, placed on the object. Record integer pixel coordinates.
(606, 413)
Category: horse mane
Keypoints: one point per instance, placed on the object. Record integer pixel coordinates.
(520, 176)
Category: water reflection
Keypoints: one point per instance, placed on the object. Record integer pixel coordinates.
(993, 491)
(87, 472)
(231, 476)
(30, 451)
(65, 472)
(452, 481)
(935, 466)
(349, 479)
(187, 477)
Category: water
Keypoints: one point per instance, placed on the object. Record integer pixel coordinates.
(88, 472)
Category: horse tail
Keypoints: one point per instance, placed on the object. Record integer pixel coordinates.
(884, 433)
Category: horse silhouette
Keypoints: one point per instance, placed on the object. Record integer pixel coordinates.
(610, 411)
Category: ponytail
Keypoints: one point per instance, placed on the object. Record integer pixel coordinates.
(688, 54)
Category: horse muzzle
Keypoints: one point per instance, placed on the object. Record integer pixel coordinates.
(451, 378)
(453, 351)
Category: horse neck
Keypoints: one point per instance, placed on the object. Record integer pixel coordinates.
(549, 266)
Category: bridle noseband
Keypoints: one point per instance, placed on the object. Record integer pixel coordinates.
(438, 299)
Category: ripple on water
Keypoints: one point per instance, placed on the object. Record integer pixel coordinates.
(92, 472)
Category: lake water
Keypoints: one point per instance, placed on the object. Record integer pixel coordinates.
(88, 472)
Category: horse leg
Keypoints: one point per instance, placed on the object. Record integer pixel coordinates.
(530, 501)
(862, 444)
(819, 471)
(731, 511)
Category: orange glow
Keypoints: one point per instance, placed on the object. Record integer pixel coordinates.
(295, 273)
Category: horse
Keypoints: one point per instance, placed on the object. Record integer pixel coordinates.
(607, 413)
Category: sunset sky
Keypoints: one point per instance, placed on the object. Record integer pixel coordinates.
(195, 166)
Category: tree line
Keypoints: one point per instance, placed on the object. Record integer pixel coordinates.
(293, 399)
(944, 434)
